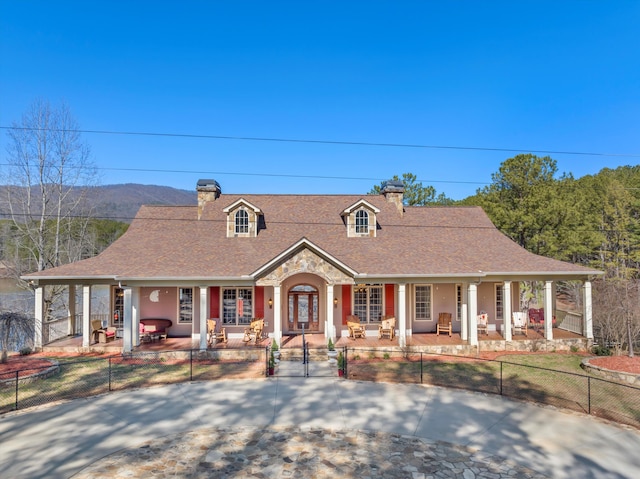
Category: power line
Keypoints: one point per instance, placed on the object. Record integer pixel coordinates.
(324, 142)
(125, 219)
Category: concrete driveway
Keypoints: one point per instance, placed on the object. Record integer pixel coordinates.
(58, 441)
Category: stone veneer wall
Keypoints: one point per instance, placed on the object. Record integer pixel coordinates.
(619, 376)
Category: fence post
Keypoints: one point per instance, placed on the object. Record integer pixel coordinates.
(420, 367)
(344, 369)
(501, 363)
(17, 382)
(110, 375)
(191, 365)
(266, 361)
(589, 393)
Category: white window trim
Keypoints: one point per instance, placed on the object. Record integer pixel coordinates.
(498, 288)
(180, 320)
(368, 287)
(415, 302)
(237, 317)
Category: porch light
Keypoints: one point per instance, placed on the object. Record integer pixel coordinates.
(270, 303)
(335, 302)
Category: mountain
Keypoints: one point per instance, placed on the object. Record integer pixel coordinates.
(121, 202)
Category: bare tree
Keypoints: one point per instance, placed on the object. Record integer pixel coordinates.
(48, 172)
(16, 330)
(47, 175)
(616, 315)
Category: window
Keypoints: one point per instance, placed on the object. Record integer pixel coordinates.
(237, 306)
(423, 302)
(499, 302)
(242, 221)
(367, 303)
(186, 305)
(118, 307)
(458, 302)
(362, 222)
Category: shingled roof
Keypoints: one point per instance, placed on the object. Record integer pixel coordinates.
(172, 243)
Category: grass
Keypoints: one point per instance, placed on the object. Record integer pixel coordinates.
(89, 377)
(554, 379)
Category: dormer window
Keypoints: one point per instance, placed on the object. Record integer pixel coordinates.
(362, 222)
(243, 219)
(360, 219)
(242, 222)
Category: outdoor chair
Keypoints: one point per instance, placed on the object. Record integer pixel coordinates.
(356, 330)
(483, 323)
(444, 324)
(100, 334)
(387, 327)
(214, 336)
(519, 322)
(254, 331)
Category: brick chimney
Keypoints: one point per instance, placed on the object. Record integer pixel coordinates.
(208, 190)
(393, 191)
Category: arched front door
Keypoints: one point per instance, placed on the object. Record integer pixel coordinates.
(303, 308)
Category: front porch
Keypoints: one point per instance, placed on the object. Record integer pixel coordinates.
(418, 342)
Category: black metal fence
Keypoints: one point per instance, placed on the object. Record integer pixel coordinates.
(579, 392)
(88, 377)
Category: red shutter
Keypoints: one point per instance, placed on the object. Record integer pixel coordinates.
(214, 302)
(389, 298)
(259, 301)
(346, 302)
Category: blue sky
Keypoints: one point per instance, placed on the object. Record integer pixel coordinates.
(522, 75)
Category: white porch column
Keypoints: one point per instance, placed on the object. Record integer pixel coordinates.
(587, 324)
(548, 309)
(127, 339)
(402, 314)
(464, 309)
(71, 309)
(330, 330)
(506, 310)
(39, 314)
(86, 315)
(277, 317)
(203, 318)
(135, 316)
(473, 314)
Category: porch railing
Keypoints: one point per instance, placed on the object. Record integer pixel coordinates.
(570, 321)
(59, 328)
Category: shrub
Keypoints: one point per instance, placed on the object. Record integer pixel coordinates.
(386, 356)
(330, 345)
(574, 348)
(274, 345)
(601, 351)
(25, 351)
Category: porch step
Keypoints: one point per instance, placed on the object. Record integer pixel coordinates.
(295, 354)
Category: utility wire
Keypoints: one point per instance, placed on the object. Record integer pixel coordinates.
(322, 142)
(124, 219)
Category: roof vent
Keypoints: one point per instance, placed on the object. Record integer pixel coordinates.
(208, 190)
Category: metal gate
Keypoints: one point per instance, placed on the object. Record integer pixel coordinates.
(298, 367)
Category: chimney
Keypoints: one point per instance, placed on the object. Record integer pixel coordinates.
(208, 190)
(393, 191)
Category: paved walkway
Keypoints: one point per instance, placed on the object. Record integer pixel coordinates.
(314, 427)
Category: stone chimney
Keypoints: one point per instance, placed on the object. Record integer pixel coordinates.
(393, 191)
(208, 190)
